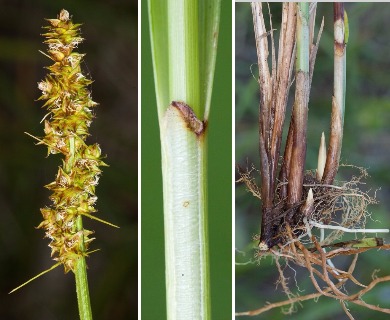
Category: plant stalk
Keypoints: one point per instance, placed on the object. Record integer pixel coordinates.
(274, 89)
(184, 170)
(300, 109)
(265, 86)
(338, 99)
(80, 271)
(185, 215)
(184, 40)
(285, 168)
(287, 39)
(82, 289)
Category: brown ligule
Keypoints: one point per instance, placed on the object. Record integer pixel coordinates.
(193, 123)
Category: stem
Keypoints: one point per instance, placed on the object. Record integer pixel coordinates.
(285, 169)
(185, 215)
(80, 272)
(338, 99)
(274, 90)
(82, 290)
(285, 66)
(265, 87)
(300, 110)
(184, 40)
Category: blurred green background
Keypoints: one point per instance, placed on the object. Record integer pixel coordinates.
(366, 143)
(220, 182)
(110, 29)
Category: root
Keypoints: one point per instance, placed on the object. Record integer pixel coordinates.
(334, 279)
(305, 241)
(247, 177)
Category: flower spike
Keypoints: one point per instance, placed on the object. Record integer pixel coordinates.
(69, 104)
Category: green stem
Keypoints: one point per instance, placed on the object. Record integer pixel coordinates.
(184, 40)
(82, 290)
(80, 270)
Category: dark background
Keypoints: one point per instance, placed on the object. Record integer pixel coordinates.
(110, 30)
(219, 188)
(366, 143)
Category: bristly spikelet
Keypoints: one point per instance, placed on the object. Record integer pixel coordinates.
(69, 104)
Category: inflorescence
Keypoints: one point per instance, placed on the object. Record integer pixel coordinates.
(66, 128)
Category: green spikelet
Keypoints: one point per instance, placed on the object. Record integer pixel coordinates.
(69, 105)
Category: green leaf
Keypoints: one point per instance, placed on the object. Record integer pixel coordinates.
(184, 37)
(158, 21)
(208, 33)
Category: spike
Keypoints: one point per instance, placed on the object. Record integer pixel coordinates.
(321, 158)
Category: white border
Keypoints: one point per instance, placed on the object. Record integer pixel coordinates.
(139, 158)
(233, 31)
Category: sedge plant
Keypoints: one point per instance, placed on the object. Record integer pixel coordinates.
(184, 41)
(69, 105)
(298, 206)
